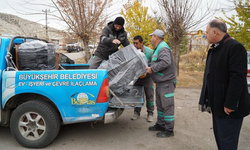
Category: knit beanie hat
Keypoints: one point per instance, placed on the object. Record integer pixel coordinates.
(119, 21)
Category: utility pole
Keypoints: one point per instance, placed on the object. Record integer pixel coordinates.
(46, 19)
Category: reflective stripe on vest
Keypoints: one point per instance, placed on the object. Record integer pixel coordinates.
(156, 51)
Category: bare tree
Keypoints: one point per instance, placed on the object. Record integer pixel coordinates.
(83, 18)
(179, 16)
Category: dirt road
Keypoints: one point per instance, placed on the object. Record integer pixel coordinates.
(75, 55)
(193, 131)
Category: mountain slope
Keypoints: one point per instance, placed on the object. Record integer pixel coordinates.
(13, 25)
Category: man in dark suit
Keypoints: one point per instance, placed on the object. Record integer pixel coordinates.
(224, 92)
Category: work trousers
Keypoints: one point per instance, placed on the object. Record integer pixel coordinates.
(147, 82)
(226, 132)
(95, 62)
(165, 105)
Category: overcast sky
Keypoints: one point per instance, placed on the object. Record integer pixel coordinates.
(22, 8)
(27, 10)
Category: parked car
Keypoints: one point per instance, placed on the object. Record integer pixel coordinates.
(73, 48)
(91, 46)
(65, 60)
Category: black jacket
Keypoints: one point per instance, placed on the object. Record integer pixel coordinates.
(106, 47)
(224, 82)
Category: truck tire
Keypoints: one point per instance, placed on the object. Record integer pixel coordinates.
(35, 124)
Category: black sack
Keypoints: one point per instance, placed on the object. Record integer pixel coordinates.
(36, 55)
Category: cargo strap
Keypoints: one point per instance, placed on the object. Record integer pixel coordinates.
(116, 97)
(9, 62)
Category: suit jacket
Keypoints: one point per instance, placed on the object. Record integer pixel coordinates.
(224, 82)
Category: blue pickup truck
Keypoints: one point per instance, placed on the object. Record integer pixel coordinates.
(35, 103)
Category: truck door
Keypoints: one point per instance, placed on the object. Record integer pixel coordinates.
(3, 46)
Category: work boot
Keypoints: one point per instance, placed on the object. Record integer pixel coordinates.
(156, 127)
(150, 118)
(165, 134)
(135, 116)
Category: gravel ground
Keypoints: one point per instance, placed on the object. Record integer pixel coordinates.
(193, 131)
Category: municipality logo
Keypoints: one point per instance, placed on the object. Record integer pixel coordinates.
(82, 99)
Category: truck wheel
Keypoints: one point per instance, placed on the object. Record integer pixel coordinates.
(35, 124)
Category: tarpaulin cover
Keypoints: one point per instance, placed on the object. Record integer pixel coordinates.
(37, 55)
(124, 66)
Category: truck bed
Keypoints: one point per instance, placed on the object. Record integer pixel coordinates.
(132, 97)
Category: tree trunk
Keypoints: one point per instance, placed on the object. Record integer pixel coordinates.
(177, 59)
(205, 53)
(87, 55)
(190, 44)
(176, 54)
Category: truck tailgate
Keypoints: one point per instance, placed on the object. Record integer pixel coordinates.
(132, 97)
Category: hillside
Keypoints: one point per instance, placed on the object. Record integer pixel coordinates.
(13, 25)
